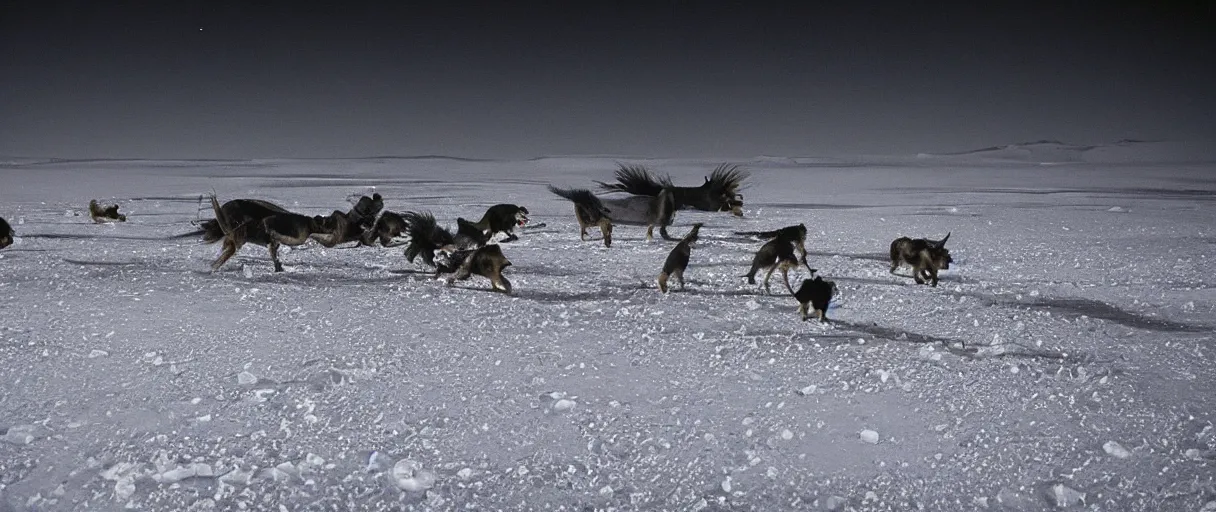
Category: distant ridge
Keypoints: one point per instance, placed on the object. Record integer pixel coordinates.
(1050, 151)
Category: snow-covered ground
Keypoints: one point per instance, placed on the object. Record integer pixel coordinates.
(1066, 358)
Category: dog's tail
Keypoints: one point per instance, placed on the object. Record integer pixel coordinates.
(221, 221)
(206, 235)
(759, 234)
(637, 180)
(579, 196)
(425, 236)
(589, 206)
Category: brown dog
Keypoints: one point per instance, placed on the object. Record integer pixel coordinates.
(107, 213)
(262, 223)
(487, 261)
(926, 257)
(677, 259)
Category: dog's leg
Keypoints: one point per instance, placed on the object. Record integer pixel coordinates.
(663, 282)
(230, 249)
(582, 224)
(606, 230)
(894, 264)
(463, 271)
(785, 275)
(650, 232)
(822, 315)
(933, 275)
(680, 278)
(500, 281)
(273, 246)
(768, 275)
(751, 274)
(802, 313)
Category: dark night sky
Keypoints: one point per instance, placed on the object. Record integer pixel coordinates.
(286, 79)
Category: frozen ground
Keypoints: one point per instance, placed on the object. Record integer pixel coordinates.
(1066, 359)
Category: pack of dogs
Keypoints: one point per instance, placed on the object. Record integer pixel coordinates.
(637, 198)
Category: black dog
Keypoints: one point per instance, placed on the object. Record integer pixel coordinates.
(6, 234)
(816, 293)
(677, 259)
(427, 237)
(387, 228)
(719, 193)
(502, 218)
(926, 257)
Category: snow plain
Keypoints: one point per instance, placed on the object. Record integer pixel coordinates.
(1067, 359)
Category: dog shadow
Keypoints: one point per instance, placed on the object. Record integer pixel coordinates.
(1077, 307)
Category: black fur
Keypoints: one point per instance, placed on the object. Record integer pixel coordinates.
(502, 218)
(677, 259)
(721, 191)
(6, 234)
(816, 293)
(388, 226)
(427, 237)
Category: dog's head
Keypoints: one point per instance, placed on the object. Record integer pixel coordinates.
(734, 205)
(799, 232)
(521, 216)
(939, 254)
(694, 234)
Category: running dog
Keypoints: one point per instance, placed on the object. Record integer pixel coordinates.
(502, 218)
(387, 230)
(677, 259)
(107, 213)
(591, 210)
(815, 295)
(6, 234)
(242, 221)
(926, 257)
(427, 237)
(486, 261)
(719, 193)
